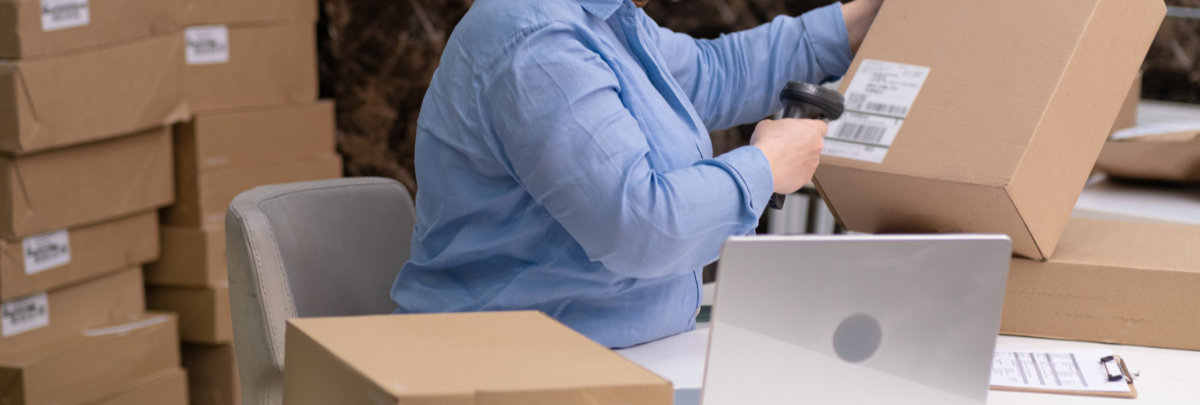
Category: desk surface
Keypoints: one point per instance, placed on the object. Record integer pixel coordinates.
(1167, 376)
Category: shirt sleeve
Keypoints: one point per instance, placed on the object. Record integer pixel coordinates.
(561, 127)
(736, 78)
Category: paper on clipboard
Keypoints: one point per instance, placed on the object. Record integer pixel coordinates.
(1074, 372)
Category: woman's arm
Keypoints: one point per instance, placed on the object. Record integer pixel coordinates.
(858, 15)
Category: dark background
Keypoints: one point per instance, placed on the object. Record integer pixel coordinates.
(377, 56)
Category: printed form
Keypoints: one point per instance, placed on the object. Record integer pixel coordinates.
(1056, 371)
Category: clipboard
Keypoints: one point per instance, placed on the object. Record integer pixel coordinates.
(1109, 369)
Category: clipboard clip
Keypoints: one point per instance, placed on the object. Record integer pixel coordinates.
(1115, 367)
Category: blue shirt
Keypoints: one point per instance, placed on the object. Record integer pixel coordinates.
(565, 165)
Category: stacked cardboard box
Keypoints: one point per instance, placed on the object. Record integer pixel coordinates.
(87, 92)
(1003, 141)
(251, 81)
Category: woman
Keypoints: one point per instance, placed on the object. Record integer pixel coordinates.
(565, 165)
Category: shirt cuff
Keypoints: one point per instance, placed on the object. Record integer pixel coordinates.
(753, 172)
(828, 39)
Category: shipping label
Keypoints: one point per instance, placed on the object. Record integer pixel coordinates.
(25, 314)
(877, 102)
(207, 44)
(60, 14)
(46, 251)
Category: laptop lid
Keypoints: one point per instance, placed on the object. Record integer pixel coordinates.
(856, 319)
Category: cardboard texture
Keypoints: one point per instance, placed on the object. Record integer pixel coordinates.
(111, 299)
(496, 358)
(1019, 98)
(95, 365)
(25, 35)
(268, 64)
(191, 257)
(85, 184)
(202, 200)
(94, 250)
(167, 388)
(1127, 116)
(212, 374)
(1170, 157)
(1115, 282)
(248, 138)
(204, 12)
(61, 100)
(204, 314)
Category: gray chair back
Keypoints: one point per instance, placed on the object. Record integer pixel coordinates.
(320, 248)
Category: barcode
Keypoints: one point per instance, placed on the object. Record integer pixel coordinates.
(860, 132)
(888, 109)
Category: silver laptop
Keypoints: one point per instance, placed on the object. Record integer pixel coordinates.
(856, 319)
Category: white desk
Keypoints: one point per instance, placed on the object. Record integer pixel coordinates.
(1103, 199)
(1167, 376)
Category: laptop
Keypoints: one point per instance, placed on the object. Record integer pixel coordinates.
(856, 319)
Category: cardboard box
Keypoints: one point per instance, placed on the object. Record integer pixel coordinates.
(34, 28)
(90, 366)
(244, 66)
(204, 315)
(166, 388)
(247, 138)
(1170, 157)
(212, 374)
(471, 358)
(191, 257)
(998, 110)
(1116, 282)
(85, 184)
(1127, 116)
(61, 100)
(207, 12)
(49, 261)
(203, 200)
(41, 318)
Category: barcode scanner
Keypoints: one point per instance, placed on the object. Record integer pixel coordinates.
(807, 101)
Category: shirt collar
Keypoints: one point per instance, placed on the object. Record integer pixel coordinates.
(601, 8)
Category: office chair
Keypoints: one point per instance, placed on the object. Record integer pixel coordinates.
(310, 249)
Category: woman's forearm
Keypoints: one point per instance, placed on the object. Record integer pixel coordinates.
(859, 14)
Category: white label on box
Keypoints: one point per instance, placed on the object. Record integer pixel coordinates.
(60, 14)
(25, 314)
(207, 44)
(46, 251)
(877, 101)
